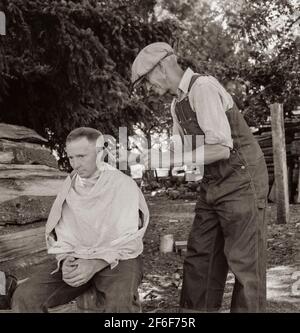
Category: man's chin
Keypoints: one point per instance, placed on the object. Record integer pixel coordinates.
(82, 174)
(161, 92)
(170, 95)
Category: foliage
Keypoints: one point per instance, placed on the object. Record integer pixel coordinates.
(249, 43)
(67, 64)
(266, 31)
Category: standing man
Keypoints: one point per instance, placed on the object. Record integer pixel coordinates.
(95, 229)
(228, 230)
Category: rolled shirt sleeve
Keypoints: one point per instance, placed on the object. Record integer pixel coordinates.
(210, 101)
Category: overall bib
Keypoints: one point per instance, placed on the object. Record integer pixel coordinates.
(228, 231)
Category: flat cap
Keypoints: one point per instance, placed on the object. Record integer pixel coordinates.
(147, 59)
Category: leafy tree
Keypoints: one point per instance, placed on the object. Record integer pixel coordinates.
(67, 63)
(249, 43)
(265, 31)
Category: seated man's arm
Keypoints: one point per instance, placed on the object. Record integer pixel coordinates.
(77, 272)
(128, 245)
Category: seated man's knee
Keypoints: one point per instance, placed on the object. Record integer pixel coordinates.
(125, 302)
(24, 299)
(109, 301)
(115, 290)
(20, 298)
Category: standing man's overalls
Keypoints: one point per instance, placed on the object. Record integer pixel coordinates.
(228, 230)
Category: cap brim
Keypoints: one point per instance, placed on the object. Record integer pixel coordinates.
(137, 83)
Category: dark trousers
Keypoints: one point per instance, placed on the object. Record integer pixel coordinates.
(115, 290)
(228, 232)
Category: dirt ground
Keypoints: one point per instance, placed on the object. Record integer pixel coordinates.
(160, 289)
(161, 286)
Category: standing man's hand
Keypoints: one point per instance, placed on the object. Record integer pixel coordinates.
(79, 271)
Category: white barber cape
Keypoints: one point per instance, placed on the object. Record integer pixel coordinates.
(105, 219)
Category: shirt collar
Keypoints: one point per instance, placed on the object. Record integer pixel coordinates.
(86, 182)
(185, 82)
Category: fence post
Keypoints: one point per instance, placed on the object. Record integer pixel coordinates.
(2, 23)
(280, 165)
(298, 182)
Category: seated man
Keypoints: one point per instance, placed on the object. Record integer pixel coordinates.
(95, 229)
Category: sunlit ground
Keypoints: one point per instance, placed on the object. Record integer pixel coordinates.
(283, 288)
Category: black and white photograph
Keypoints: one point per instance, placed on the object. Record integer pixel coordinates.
(149, 158)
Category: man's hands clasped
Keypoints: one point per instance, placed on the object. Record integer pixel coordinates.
(77, 272)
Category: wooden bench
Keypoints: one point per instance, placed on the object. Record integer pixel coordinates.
(21, 251)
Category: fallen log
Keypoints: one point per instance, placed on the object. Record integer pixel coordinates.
(20, 133)
(25, 209)
(21, 171)
(29, 180)
(19, 244)
(25, 153)
(14, 188)
(6, 156)
(22, 266)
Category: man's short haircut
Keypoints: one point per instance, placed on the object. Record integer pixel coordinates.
(84, 132)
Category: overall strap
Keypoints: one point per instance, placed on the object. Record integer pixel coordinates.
(193, 79)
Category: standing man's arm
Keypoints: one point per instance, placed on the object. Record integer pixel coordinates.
(210, 100)
(205, 154)
(207, 101)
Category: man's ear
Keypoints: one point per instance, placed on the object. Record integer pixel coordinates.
(100, 143)
(100, 158)
(163, 70)
(168, 63)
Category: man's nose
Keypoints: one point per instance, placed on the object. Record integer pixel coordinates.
(75, 163)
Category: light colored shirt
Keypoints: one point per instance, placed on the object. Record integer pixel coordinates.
(210, 101)
(98, 219)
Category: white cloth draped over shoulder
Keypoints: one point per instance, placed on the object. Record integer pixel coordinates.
(100, 218)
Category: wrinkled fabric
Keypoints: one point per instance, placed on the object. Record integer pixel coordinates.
(209, 101)
(228, 231)
(100, 223)
(110, 290)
